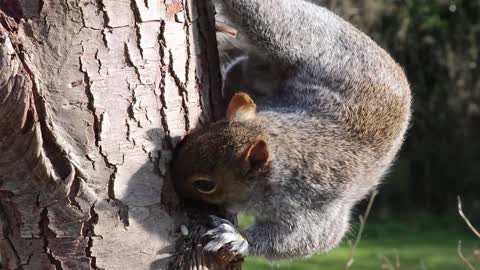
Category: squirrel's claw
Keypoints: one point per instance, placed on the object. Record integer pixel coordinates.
(215, 221)
(225, 235)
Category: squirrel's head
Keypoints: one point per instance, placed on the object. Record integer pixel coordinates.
(217, 163)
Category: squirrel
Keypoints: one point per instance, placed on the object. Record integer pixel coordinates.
(298, 148)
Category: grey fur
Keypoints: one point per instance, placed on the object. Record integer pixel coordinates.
(333, 107)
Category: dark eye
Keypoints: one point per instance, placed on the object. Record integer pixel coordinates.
(205, 186)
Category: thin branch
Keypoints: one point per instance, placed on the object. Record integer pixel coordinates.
(387, 263)
(465, 218)
(397, 260)
(423, 265)
(363, 221)
(460, 254)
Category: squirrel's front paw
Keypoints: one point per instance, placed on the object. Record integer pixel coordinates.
(225, 235)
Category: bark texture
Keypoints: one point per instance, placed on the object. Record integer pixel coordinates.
(94, 94)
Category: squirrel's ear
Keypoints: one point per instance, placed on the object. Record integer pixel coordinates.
(257, 154)
(241, 107)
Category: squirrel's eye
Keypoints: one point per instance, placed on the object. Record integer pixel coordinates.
(205, 186)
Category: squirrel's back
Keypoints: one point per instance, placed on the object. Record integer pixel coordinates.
(348, 113)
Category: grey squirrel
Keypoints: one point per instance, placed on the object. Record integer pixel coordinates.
(322, 114)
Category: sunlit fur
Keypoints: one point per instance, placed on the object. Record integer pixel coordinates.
(333, 109)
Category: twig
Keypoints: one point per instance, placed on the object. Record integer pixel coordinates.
(460, 254)
(388, 264)
(397, 260)
(465, 218)
(363, 220)
(422, 264)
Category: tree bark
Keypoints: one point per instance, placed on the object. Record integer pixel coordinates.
(94, 94)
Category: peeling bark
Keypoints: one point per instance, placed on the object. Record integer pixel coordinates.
(94, 95)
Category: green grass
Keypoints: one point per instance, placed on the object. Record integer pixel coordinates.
(421, 244)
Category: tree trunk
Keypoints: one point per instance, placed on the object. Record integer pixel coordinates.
(94, 94)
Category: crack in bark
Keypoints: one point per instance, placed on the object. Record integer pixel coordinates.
(182, 90)
(37, 200)
(122, 208)
(73, 181)
(106, 20)
(111, 184)
(98, 61)
(88, 227)
(137, 20)
(129, 62)
(104, 38)
(82, 16)
(187, 24)
(45, 233)
(91, 100)
(88, 254)
(131, 105)
(123, 213)
(28, 260)
(128, 132)
(15, 253)
(91, 160)
(74, 189)
(67, 5)
(88, 230)
(101, 7)
(131, 114)
(45, 21)
(163, 73)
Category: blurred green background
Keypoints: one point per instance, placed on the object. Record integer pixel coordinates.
(437, 42)
(425, 243)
